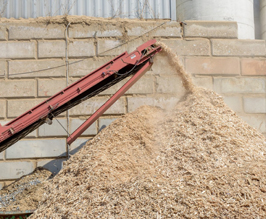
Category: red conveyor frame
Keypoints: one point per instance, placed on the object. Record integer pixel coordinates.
(136, 63)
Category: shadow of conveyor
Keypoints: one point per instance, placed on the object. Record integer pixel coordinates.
(56, 165)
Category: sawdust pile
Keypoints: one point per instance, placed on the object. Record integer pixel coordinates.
(198, 161)
(25, 193)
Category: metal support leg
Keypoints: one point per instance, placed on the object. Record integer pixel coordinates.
(108, 103)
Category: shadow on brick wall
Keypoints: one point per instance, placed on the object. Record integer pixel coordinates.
(56, 165)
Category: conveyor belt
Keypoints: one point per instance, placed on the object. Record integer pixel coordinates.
(89, 86)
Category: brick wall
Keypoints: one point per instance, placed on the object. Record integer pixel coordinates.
(210, 51)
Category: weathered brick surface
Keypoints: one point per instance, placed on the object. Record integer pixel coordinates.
(117, 46)
(136, 29)
(254, 104)
(81, 48)
(143, 86)
(234, 102)
(211, 29)
(189, 47)
(104, 122)
(32, 134)
(238, 47)
(1, 155)
(2, 108)
(133, 45)
(213, 66)
(106, 44)
(20, 50)
(253, 66)
(170, 84)
(239, 85)
(205, 82)
(18, 88)
(170, 29)
(3, 33)
(82, 31)
(256, 121)
(36, 31)
(34, 67)
(53, 165)
(49, 87)
(82, 68)
(160, 101)
(3, 68)
(75, 123)
(37, 148)
(48, 49)
(53, 130)
(4, 122)
(73, 80)
(162, 66)
(14, 170)
(18, 107)
(88, 107)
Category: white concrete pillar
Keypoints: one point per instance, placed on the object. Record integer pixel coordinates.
(240, 11)
(263, 18)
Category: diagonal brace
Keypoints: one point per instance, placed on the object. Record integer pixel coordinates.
(109, 102)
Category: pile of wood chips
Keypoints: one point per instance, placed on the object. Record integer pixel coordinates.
(25, 193)
(198, 160)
